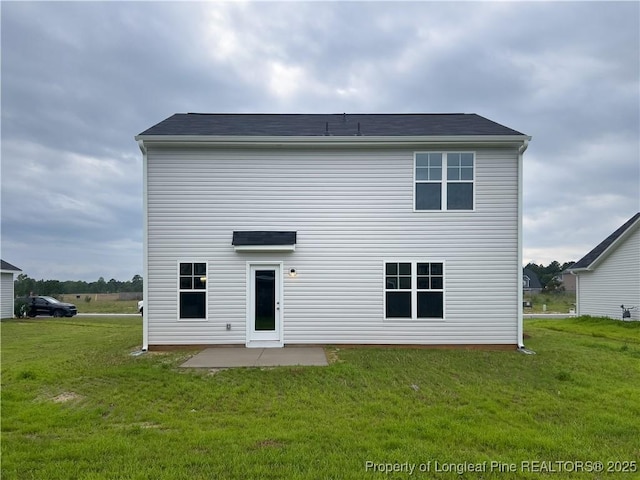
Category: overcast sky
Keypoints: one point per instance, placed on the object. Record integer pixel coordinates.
(80, 79)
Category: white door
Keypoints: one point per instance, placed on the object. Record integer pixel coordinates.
(264, 318)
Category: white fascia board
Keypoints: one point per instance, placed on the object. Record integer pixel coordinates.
(264, 248)
(578, 271)
(329, 140)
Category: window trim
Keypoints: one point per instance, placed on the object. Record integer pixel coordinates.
(414, 290)
(180, 290)
(443, 182)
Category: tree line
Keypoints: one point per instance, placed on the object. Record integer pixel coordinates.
(24, 285)
(548, 275)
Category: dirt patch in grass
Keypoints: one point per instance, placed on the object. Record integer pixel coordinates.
(268, 443)
(332, 355)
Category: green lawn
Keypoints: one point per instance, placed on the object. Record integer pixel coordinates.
(76, 404)
(106, 306)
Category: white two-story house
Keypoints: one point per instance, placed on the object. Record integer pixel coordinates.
(268, 230)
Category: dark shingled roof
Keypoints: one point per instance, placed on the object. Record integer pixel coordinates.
(534, 281)
(593, 255)
(7, 266)
(263, 238)
(409, 124)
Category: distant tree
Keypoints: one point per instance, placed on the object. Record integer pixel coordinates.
(23, 285)
(113, 286)
(100, 286)
(136, 283)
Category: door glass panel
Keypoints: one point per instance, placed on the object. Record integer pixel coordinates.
(265, 298)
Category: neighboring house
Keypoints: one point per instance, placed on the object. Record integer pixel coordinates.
(568, 280)
(6, 288)
(609, 275)
(266, 230)
(530, 282)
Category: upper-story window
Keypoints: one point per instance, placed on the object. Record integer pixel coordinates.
(444, 180)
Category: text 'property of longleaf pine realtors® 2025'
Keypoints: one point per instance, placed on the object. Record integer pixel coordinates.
(525, 466)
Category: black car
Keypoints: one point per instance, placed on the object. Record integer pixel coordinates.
(33, 306)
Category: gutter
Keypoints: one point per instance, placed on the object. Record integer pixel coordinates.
(329, 140)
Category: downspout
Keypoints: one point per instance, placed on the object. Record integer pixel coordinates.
(145, 249)
(520, 333)
(577, 293)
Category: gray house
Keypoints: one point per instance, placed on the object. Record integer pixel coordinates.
(609, 275)
(6, 288)
(272, 230)
(530, 282)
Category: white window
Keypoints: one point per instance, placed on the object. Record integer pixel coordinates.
(444, 180)
(192, 290)
(414, 290)
(398, 290)
(430, 290)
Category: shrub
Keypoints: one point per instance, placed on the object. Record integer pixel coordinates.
(20, 308)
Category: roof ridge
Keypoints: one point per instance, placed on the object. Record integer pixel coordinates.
(333, 113)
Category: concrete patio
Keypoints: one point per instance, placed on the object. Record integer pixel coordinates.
(226, 357)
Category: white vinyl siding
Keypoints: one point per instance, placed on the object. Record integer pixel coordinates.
(613, 282)
(6, 295)
(352, 208)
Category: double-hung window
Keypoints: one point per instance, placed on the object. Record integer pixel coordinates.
(398, 290)
(430, 290)
(414, 290)
(192, 291)
(444, 180)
